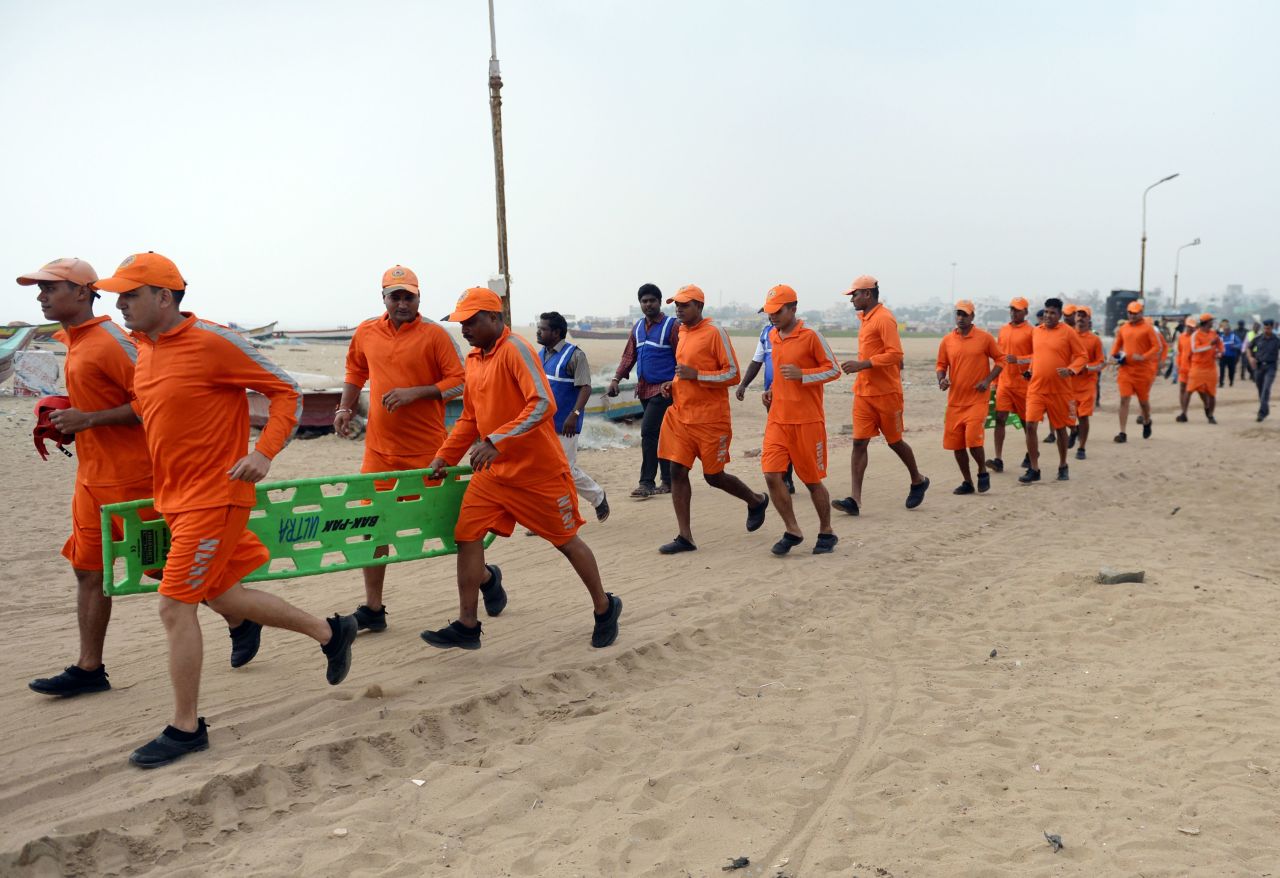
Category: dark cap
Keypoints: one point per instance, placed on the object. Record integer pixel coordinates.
(1268, 322)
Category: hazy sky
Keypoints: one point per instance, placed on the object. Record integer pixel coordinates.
(285, 153)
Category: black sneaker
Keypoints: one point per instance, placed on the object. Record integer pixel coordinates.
(847, 505)
(1072, 436)
(1211, 418)
(606, 630)
(984, 482)
(996, 464)
(1080, 454)
(495, 596)
(370, 620)
(1146, 428)
(72, 681)
(826, 543)
(916, 495)
(1063, 474)
(338, 649)
(1031, 475)
(1026, 461)
(168, 748)
(679, 544)
(455, 635)
(245, 640)
(790, 483)
(965, 488)
(1181, 419)
(602, 511)
(786, 543)
(1121, 438)
(755, 514)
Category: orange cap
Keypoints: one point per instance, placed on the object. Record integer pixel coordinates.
(400, 278)
(71, 269)
(1206, 317)
(1069, 309)
(776, 298)
(1191, 321)
(966, 306)
(472, 302)
(1085, 310)
(1020, 303)
(688, 293)
(143, 269)
(1135, 307)
(863, 282)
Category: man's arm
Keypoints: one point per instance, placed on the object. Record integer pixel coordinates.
(239, 364)
(626, 363)
(993, 354)
(357, 373)
(463, 435)
(521, 365)
(753, 369)
(828, 368)
(77, 421)
(942, 365)
(726, 362)
(581, 372)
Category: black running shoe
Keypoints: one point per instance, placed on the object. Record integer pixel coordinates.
(1072, 436)
(786, 543)
(370, 620)
(1026, 461)
(1031, 475)
(1063, 474)
(965, 488)
(755, 514)
(984, 482)
(602, 511)
(826, 543)
(1211, 418)
(1146, 428)
(455, 635)
(495, 596)
(916, 495)
(996, 464)
(679, 544)
(1181, 419)
(1080, 454)
(71, 682)
(847, 505)
(606, 630)
(338, 649)
(167, 748)
(1121, 438)
(245, 640)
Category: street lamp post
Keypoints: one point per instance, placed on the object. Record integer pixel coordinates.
(1176, 260)
(1142, 265)
(499, 173)
(953, 280)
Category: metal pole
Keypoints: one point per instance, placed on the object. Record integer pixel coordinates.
(500, 182)
(953, 280)
(1142, 264)
(1177, 260)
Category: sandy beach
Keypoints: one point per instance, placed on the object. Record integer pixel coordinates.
(930, 700)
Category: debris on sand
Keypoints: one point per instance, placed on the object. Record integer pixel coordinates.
(1111, 576)
(1055, 841)
(736, 863)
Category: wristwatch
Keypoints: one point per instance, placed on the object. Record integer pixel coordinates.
(577, 412)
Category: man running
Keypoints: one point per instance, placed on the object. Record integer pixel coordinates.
(1085, 384)
(413, 368)
(1137, 351)
(1057, 354)
(877, 393)
(521, 473)
(795, 432)
(1202, 379)
(651, 348)
(762, 359)
(204, 482)
(698, 425)
(969, 359)
(1011, 388)
(1262, 354)
(566, 368)
(1184, 367)
(113, 463)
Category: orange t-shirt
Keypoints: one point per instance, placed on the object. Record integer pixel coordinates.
(800, 402)
(99, 374)
(189, 388)
(1086, 382)
(706, 348)
(419, 353)
(878, 342)
(1141, 339)
(1184, 355)
(1211, 344)
(508, 401)
(1051, 350)
(967, 360)
(1015, 340)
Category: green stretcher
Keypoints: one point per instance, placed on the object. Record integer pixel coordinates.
(1012, 421)
(310, 526)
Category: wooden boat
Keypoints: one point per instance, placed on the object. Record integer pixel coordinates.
(257, 332)
(317, 409)
(10, 346)
(617, 334)
(43, 331)
(614, 408)
(342, 334)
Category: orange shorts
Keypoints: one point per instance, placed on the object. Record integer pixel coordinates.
(1060, 407)
(804, 446)
(211, 550)
(965, 427)
(377, 462)
(1202, 381)
(1012, 398)
(1134, 381)
(84, 547)
(684, 443)
(878, 415)
(548, 508)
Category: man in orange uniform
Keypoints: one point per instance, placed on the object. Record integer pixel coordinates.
(795, 432)
(1085, 385)
(1184, 367)
(189, 387)
(1137, 351)
(1057, 355)
(877, 392)
(114, 465)
(1011, 389)
(1202, 378)
(414, 368)
(968, 361)
(698, 425)
(521, 472)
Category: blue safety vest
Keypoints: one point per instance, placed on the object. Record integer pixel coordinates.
(655, 359)
(767, 346)
(562, 386)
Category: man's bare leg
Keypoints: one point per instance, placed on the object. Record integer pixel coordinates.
(731, 484)
(1033, 443)
(584, 563)
(858, 461)
(908, 457)
(681, 498)
(821, 498)
(272, 611)
(962, 461)
(782, 504)
(1001, 418)
(93, 613)
(1063, 434)
(186, 657)
(1124, 412)
(374, 577)
(979, 455)
(471, 574)
(1084, 431)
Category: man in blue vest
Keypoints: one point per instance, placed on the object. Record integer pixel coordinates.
(651, 349)
(763, 358)
(570, 377)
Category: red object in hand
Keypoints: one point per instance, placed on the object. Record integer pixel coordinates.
(45, 429)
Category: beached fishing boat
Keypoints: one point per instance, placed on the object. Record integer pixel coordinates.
(577, 332)
(43, 331)
(10, 346)
(342, 334)
(257, 332)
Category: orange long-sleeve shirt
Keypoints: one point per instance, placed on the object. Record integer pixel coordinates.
(99, 374)
(1053, 349)
(1015, 340)
(419, 353)
(967, 360)
(1142, 339)
(1184, 355)
(189, 388)
(706, 348)
(1087, 381)
(800, 401)
(879, 343)
(1206, 347)
(508, 401)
